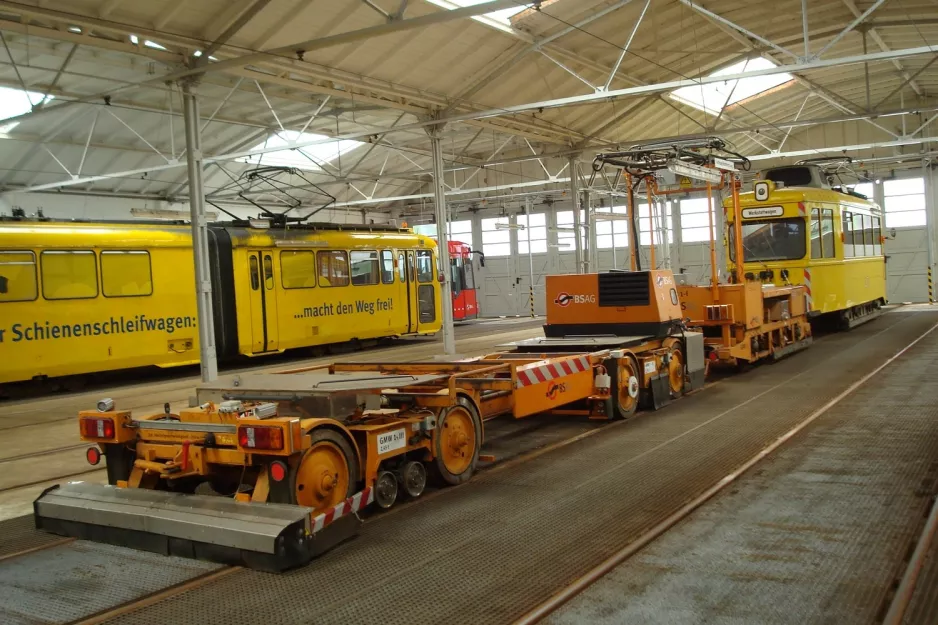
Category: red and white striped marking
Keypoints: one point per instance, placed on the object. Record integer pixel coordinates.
(807, 287)
(535, 373)
(355, 503)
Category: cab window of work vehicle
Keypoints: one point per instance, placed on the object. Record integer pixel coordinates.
(18, 281)
(771, 239)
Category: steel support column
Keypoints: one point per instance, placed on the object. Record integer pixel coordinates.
(577, 222)
(527, 220)
(203, 279)
(439, 195)
(929, 225)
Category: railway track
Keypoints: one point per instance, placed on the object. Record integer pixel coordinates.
(903, 595)
(168, 604)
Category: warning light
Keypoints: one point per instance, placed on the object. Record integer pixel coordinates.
(93, 456)
(278, 471)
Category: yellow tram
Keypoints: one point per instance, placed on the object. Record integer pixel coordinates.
(78, 298)
(796, 229)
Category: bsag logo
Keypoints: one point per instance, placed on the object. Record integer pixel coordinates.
(553, 389)
(565, 299)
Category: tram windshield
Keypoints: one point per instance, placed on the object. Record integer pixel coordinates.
(771, 239)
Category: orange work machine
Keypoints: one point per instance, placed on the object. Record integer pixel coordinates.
(269, 470)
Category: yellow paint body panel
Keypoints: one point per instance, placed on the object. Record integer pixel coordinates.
(117, 317)
(836, 283)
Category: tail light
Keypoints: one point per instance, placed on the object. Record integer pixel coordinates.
(96, 427)
(260, 437)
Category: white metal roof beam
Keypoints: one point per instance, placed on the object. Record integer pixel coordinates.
(291, 51)
(849, 28)
(585, 99)
(493, 72)
(235, 26)
(748, 33)
(878, 40)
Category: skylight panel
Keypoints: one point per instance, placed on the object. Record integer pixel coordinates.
(712, 97)
(311, 157)
(14, 102)
(497, 19)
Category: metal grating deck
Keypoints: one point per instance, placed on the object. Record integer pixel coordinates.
(816, 534)
(20, 534)
(923, 610)
(71, 581)
(497, 546)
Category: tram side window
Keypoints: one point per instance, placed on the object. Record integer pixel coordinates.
(456, 267)
(69, 274)
(877, 237)
(387, 267)
(470, 281)
(858, 249)
(126, 273)
(333, 268)
(18, 277)
(847, 222)
(424, 266)
(868, 235)
(816, 250)
(364, 268)
(297, 270)
(827, 233)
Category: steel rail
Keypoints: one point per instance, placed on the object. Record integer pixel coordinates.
(606, 566)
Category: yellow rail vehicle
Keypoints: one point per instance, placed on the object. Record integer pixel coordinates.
(796, 229)
(78, 298)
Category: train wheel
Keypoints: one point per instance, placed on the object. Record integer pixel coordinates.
(326, 474)
(458, 440)
(625, 387)
(385, 489)
(676, 369)
(413, 478)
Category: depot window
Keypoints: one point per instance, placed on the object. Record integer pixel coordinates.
(612, 232)
(459, 230)
(365, 269)
(566, 240)
(69, 274)
(424, 266)
(535, 231)
(126, 273)
(660, 222)
(18, 281)
(904, 202)
(297, 269)
(695, 221)
(333, 268)
(496, 237)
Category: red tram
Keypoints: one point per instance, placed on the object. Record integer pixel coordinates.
(465, 298)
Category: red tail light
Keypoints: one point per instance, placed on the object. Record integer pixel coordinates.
(260, 437)
(96, 427)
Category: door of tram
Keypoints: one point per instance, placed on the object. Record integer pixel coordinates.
(263, 301)
(413, 308)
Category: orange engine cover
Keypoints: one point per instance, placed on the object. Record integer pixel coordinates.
(617, 302)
